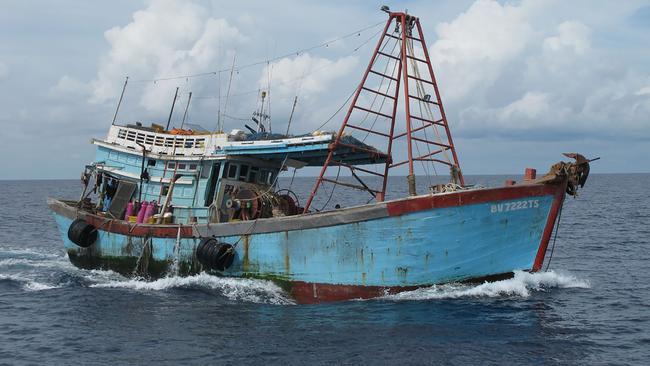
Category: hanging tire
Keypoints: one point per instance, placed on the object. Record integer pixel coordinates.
(82, 233)
(214, 255)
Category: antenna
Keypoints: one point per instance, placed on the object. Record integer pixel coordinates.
(293, 108)
(172, 110)
(187, 106)
(120, 102)
(225, 106)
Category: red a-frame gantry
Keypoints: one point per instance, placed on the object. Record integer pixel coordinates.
(404, 59)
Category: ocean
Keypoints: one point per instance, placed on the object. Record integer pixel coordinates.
(592, 306)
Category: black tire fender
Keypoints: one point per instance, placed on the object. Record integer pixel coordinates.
(82, 233)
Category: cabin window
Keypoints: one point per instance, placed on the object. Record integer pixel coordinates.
(171, 165)
(181, 166)
(232, 171)
(151, 162)
(193, 166)
(264, 174)
(165, 190)
(243, 173)
(252, 177)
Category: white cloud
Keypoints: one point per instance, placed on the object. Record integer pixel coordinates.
(643, 91)
(472, 49)
(531, 106)
(572, 36)
(310, 74)
(169, 37)
(69, 85)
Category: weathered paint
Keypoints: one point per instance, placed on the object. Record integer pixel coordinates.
(419, 241)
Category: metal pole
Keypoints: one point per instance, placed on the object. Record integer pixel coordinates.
(144, 155)
(168, 198)
(407, 107)
(186, 108)
(295, 100)
(172, 110)
(439, 100)
(120, 101)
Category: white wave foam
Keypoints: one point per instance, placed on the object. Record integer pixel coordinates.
(11, 252)
(258, 291)
(38, 286)
(101, 275)
(60, 262)
(28, 283)
(520, 285)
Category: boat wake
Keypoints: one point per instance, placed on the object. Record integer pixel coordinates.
(521, 285)
(27, 283)
(33, 271)
(238, 289)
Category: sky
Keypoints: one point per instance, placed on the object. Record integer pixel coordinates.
(521, 81)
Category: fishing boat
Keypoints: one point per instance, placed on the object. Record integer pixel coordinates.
(158, 202)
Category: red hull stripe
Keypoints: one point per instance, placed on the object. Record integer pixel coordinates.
(548, 230)
(402, 207)
(313, 293)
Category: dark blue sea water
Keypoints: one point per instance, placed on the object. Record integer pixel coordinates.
(591, 307)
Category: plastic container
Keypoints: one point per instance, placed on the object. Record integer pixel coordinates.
(149, 212)
(129, 211)
(143, 209)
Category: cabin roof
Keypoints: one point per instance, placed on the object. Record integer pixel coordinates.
(311, 150)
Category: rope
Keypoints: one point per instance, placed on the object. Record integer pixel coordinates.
(292, 177)
(421, 93)
(337, 111)
(332, 192)
(557, 228)
(248, 232)
(383, 101)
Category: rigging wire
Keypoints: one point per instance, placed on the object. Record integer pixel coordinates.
(225, 106)
(332, 192)
(395, 64)
(557, 228)
(293, 80)
(337, 111)
(262, 62)
(421, 94)
(353, 91)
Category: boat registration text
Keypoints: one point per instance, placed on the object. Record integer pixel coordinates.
(514, 206)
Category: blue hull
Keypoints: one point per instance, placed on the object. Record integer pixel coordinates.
(419, 248)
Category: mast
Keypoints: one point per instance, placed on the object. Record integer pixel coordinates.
(172, 110)
(422, 125)
(119, 103)
(187, 106)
